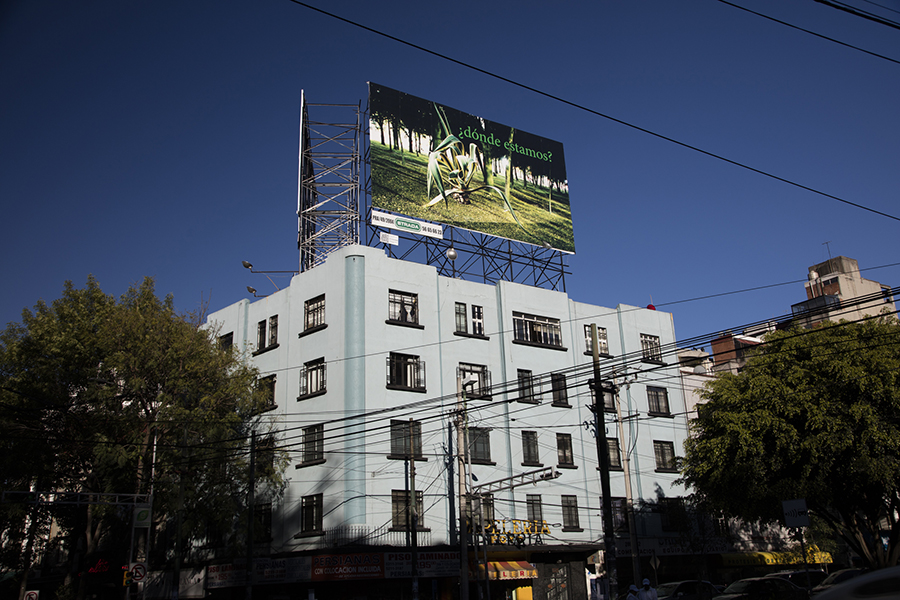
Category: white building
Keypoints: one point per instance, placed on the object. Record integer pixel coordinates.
(358, 346)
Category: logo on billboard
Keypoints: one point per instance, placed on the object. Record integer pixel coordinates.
(434, 163)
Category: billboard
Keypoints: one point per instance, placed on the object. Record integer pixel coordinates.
(439, 164)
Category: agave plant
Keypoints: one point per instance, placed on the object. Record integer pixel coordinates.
(461, 165)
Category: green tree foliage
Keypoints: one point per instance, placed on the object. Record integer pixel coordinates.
(129, 397)
(815, 415)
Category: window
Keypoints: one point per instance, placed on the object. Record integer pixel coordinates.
(312, 446)
(266, 335)
(400, 439)
(619, 513)
(570, 513)
(659, 400)
(462, 321)
(226, 341)
(265, 457)
(533, 508)
(312, 378)
(673, 514)
(536, 331)
(262, 523)
(266, 386)
(527, 391)
(558, 387)
(481, 386)
(400, 513)
(609, 397)
(405, 372)
(462, 324)
(615, 453)
(480, 445)
(484, 510)
(650, 348)
(564, 450)
(314, 314)
(530, 453)
(665, 457)
(477, 320)
(311, 515)
(602, 342)
(403, 308)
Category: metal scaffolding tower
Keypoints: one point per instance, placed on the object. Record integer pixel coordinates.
(328, 187)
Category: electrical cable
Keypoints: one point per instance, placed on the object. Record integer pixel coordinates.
(598, 113)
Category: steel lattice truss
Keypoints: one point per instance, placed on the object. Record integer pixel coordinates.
(328, 186)
(480, 257)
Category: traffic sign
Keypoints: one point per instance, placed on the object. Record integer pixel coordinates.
(138, 571)
(32, 595)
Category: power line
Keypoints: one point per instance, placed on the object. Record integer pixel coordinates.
(819, 35)
(596, 112)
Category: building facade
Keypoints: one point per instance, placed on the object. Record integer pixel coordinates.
(378, 368)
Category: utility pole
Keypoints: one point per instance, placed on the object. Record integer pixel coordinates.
(251, 493)
(629, 503)
(414, 509)
(609, 540)
(461, 459)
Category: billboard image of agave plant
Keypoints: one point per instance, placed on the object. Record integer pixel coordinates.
(439, 164)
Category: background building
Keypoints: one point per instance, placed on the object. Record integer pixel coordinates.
(364, 354)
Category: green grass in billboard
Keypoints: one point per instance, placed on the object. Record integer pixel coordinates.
(438, 164)
(399, 185)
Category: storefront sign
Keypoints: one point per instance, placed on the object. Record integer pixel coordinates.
(514, 532)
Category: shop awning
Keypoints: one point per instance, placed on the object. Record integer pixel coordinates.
(508, 569)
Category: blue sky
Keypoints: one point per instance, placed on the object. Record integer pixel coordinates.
(160, 138)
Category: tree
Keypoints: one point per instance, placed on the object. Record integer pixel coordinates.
(816, 415)
(128, 397)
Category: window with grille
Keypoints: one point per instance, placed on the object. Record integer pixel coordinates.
(564, 450)
(528, 388)
(480, 445)
(311, 515)
(312, 450)
(651, 350)
(273, 331)
(536, 331)
(405, 372)
(658, 399)
(403, 307)
(665, 456)
(534, 509)
(559, 389)
(530, 452)
(479, 385)
(615, 453)
(400, 510)
(570, 513)
(314, 313)
(312, 378)
(602, 342)
(401, 438)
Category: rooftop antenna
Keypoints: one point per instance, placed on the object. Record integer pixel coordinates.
(827, 245)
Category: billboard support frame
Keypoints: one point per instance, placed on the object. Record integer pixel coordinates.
(328, 186)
